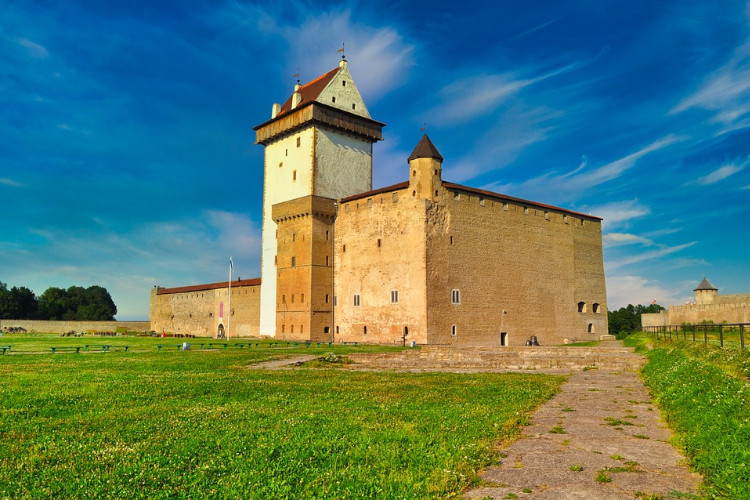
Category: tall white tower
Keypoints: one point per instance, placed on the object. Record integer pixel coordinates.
(318, 143)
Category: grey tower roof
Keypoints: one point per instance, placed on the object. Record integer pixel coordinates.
(425, 149)
(705, 285)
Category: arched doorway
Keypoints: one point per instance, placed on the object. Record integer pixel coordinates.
(220, 332)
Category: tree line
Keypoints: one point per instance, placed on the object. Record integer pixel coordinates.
(627, 320)
(74, 304)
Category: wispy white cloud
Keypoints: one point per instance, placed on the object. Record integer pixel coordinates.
(644, 256)
(33, 50)
(9, 182)
(630, 289)
(721, 173)
(618, 213)
(570, 184)
(619, 239)
(474, 96)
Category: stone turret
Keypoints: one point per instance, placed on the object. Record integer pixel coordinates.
(705, 292)
(425, 170)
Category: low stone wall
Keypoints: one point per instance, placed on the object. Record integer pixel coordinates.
(31, 325)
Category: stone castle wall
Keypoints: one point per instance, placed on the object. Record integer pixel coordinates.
(380, 249)
(198, 312)
(77, 326)
(727, 309)
(518, 268)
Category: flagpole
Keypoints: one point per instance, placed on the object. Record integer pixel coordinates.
(229, 300)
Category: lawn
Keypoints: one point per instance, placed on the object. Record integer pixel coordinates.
(196, 424)
(703, 392)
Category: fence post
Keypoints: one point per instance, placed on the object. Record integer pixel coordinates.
(721, 335)
(693, 333)
(705, 334)
(742, 336)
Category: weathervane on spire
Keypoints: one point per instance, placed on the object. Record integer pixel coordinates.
(423, 127)
(296, 75)
(343, 54)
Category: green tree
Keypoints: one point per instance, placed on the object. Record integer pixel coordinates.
(627, 320)
(17, 303)
(53, 303)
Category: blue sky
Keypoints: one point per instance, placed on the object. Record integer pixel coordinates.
(126, 143)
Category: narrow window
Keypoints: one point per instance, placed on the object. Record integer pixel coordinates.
(292, 298)
(281, 164)
(414, 193)
(546, 215)
(394, 296)
(299, 141)
(414, 173)
(378, 242)
(326, 298)
(326, 329)
(395, 197)
(286, 152)
(354, 106)
(591, 328)
(294, 236)
(526, 210)
(369, 203)
(455, 296)
(283, 327)
(595, 308)
(456, 196)
(453, 330)
(283, 299)
(302, 328)
(505, 206)
(294, 175)
(436, 171)
(581, 307)
(333, 99)
(302, 298)
(450, 240)
(334, 305)
(503, 338)
(365, 329)
(294, 261)
(326, 235)
(337, 328)
(343, 83)
(356, 300)
(276, 259)
(292, 328)
(436, 192)
(565, 219)
(481, 201)
(327, 257)
(343, 249)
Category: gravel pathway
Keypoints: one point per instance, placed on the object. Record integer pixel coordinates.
(599, 438)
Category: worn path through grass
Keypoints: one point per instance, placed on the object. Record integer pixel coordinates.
(600, 437)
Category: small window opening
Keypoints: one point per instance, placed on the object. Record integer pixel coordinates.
(337, 328)
(326, 298)
(453, 330)
(546, 215)
(378, 242)
(343, 249)
(326, 329)
(413, 173)
(505, 206)
(581, 307)
(455, 296)
(283, 299)
(333, 99)
(436, 192)
(364, 329)
(526, 210)
(292, 329)
(302, 298)
(596, 308)
(292, 298)
(414, 193)
(456, 196)
(450, 240)
(299, 141)
(335, 301)
(294, 175)
(503, 338)
(394, 296)
(294, 261)
(354, 106)
(591, 328)
(327, 258)
(281, 164)
(356, 300)
(283, 327)
(343, 83)
(481, 202)
(326, 235)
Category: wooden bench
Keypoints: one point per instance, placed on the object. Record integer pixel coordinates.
(179, 346)
(350, 343)
(5, 348)
(77, 349)
(323, 344)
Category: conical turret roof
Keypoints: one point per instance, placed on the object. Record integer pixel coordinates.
(425, 149)
(705, 285)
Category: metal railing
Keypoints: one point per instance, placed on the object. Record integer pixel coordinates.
(706, 332)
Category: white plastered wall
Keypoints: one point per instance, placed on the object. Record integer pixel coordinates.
(343, 165)
(345, 92)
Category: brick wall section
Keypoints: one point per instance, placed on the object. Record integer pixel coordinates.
(372, 271)
(78, 326)
(535, 264)
(197, 312)
(304, 268)
(727, 308)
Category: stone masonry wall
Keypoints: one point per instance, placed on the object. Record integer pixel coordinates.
(519, 269)
(197, 312)
(77, 326)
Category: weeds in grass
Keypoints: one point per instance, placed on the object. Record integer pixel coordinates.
(641, 436)
(558, 429)
(576, 468)
(567, 409)
(617, 422)
(617, 457)
(603, 476)
(526, 490)
(649, 496)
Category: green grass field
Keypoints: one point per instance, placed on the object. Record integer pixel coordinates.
(704, 394)
(197, 424)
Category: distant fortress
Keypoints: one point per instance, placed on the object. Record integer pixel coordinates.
(708, 306)
(424, 260)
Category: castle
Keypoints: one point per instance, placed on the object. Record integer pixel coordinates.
(425, 260)
(708, 306)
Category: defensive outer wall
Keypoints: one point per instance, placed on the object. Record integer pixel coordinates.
(31, 325)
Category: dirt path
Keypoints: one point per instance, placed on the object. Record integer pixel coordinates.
(279, 364)
(601, 425)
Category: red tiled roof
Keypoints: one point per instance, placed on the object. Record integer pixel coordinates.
(451, 185)
(208, 286)
(387, 189)
(309, 91)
